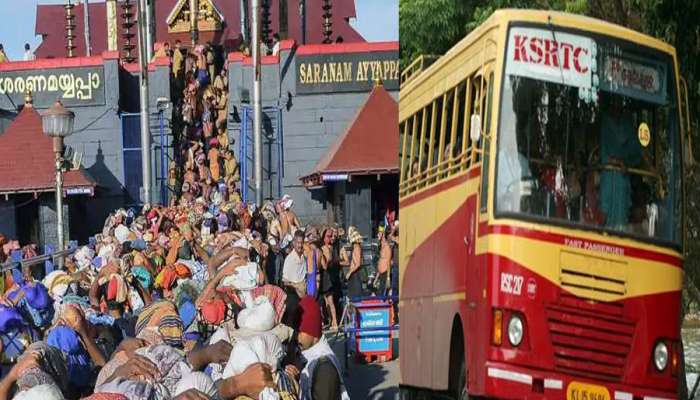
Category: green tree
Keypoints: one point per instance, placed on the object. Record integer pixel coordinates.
(430, 26)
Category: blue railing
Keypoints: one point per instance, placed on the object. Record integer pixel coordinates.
(16, 263)
(246, 149)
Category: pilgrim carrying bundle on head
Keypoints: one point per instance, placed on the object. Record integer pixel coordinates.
(354, 235)
(57, 282)
(244, 278)
(260, 316)
(263, 348)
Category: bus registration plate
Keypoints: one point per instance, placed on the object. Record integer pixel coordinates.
(585, 391)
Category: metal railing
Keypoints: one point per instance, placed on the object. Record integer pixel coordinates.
(16, 263)
(416, 67)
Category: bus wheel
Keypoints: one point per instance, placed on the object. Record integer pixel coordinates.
(407, 393)
(462, 387)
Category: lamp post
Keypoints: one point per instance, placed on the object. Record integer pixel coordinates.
(57, 123)
(257, 108)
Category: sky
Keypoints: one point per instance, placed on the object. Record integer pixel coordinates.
(377, 20)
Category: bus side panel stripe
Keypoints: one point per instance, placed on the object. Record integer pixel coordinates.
(561, 240)
(440, 187)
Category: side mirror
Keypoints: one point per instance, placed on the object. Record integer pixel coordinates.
(475, 128)
(688, 158)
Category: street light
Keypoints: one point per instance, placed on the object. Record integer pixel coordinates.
(57, 123)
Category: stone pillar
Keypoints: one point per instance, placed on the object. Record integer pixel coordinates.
(47, 220)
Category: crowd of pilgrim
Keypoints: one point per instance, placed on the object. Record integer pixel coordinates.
(207, 297)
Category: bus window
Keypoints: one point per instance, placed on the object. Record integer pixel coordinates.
(444, 123)
(413, 152)
(467, 145)
(486, 142)
(452, 147)
(402, 152)
(487, 118)
(408, 136)
(422, 146)
(426, 143)
(606, 158)
(435, 139)
(459, 126)
(445, 134)
(475, 108)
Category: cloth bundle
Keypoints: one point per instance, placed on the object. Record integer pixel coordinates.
(46, 391)
(259, 317)
(117, 289)
(83, 257)
(195, 380)
(245, 277)
(34, 303)
(52, 370)
(143, 276)
(265, 348)
(57, 282)
(160, 323)
(170, 274)
(176, 376)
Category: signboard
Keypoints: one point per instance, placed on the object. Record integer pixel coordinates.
(78, 190)
(634, 77)
(550, 56)
(374, 341)
(335, 177)
(83, 86)
(346, 72)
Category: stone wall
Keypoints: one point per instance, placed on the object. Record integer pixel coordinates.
(47, 221)
(310, 123)
(98, 137)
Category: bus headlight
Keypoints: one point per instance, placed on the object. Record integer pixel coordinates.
(515, 330)
(660, 356)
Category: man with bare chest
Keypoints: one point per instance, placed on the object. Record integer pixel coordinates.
(380, 282)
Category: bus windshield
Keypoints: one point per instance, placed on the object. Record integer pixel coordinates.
(589, 135)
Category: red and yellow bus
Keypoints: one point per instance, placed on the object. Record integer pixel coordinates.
(542, 213)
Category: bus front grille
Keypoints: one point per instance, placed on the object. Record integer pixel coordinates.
(589, 343)
(593, 278)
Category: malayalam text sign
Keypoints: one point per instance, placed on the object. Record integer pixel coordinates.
(347, 72)
(83, 86)
(634, 77)
(375, 341)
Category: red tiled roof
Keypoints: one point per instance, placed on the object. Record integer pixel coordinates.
(368, 146)
(27, 160)
(50, 24)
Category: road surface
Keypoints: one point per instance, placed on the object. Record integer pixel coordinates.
(375, 381)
